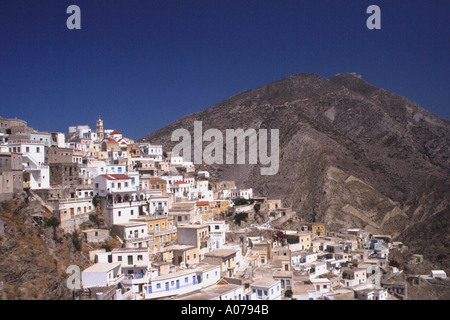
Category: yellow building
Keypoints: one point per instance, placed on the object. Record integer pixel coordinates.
(202, 206)
(317, 229)
(161, 228)
(218, 206)
(204, 210)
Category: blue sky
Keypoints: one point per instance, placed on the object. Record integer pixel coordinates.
(143, 64)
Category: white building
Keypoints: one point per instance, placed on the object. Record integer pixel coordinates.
(180, 189)
(80, 131)
(318, 268)
(102, 275)
(301, 257)
(116, 168)
(176, 161)
(322, 285)
(36, 173)
(265, 289)
(133, 233)
(92, 169)
(372, 294)
(135, 266)
(122, 200)
(203, 174)
(217, 234)
(154, 152)
(181, 282)
(237, 193)
(44, 137)
(354, 277)
(438, 274)
(110, 183)
(158, 205)
(170, 180)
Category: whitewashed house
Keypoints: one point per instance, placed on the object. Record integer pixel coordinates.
(102, 275)
(265, 289)
(181, 282)
(36, 175)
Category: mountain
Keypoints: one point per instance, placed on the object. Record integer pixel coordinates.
(351, 154)
(34, 255)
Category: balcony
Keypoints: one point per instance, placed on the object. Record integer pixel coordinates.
(135, 278)
(118, 279)
(25, 141)
(138, 239)
(163, 232)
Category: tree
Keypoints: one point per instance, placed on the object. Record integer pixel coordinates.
(52, 222)
(288, 293)
(76, 241)
(240, 217)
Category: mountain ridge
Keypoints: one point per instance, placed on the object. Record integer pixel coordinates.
(339, 137)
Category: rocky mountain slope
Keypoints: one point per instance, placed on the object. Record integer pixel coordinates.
(34, 256)
(351, 154)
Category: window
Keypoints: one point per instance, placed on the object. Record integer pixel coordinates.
(119, 258)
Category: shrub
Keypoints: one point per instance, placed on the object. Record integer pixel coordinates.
(240, 217)
(76, 241)
(52, 222)
(106, 246)
(288, 294)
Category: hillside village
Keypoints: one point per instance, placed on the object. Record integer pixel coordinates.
(157, 228)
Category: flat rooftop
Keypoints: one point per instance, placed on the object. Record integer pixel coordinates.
(102, 267)
(222, 253)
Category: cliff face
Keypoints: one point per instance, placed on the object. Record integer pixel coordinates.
(351, 154)
(34, 257)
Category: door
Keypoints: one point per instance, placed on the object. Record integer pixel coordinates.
(167, 286)
(178, 284)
